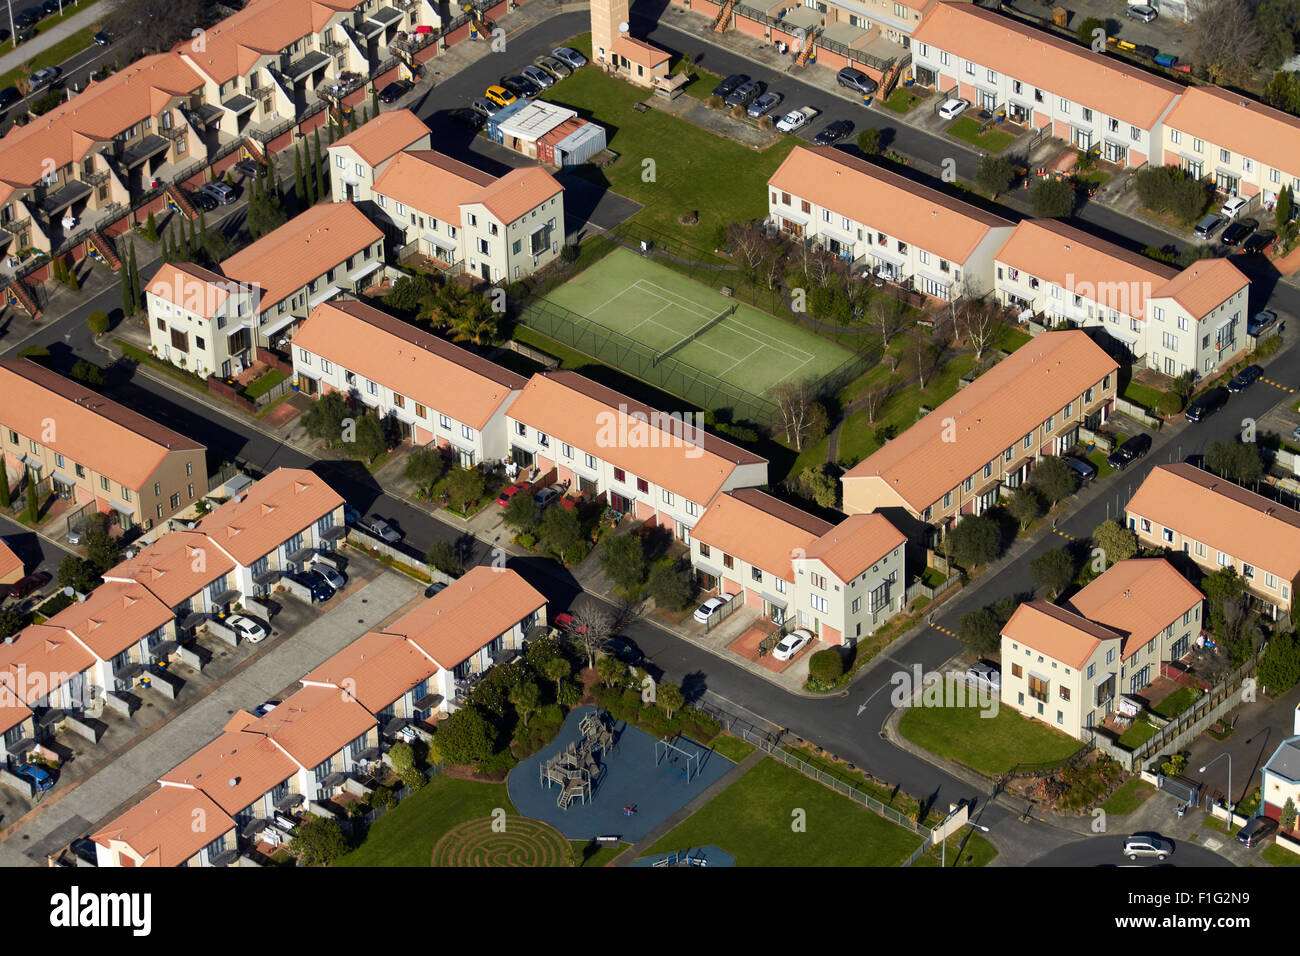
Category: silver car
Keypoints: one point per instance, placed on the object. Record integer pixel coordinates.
(1147, 844)
(539, 76)
(335, 579)
(382, 529)
(569, 57)
(555, 67)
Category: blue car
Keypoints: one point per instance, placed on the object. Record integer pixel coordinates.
(37, 776)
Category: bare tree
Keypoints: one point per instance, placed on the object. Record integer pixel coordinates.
(923, 355)
(591, 630)
(796, 401)
(888, 317)
(1225, 43)
(873, 402)
(750, 243)
(980, 322)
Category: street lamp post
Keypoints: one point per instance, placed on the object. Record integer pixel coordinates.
(1231, 804)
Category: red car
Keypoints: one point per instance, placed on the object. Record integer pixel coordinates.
(564, 622)
(518, 488)
(28, 585)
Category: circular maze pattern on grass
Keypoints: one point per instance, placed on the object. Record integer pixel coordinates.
(524, 842)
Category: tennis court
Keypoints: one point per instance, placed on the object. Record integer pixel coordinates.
(673, 314)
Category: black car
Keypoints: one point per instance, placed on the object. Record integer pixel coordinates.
(4, 34)
(203, 202)
(50, 7)
(27, 18)
(728, 86)
(1237, 231)
(521, 86)
(857, 81)
(833, 133)
(1129, 452)
(102, 38)
(1207, 404)
(1258, 242)
(394, 91)
(1247, 377)
(468, 117)
(746, 93)
(9, 96)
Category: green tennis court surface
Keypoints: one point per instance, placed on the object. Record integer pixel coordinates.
(659, 308)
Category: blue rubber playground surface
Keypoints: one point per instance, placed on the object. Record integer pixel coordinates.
(629, 778)
(697, 856)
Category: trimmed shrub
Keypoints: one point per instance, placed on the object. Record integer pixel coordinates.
(826, 665)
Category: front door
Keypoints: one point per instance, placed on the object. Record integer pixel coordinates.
(486, 272)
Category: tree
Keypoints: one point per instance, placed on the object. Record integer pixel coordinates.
(559, 528)
(465, 737)
(975, 541)
(1277, 22)
(590, 631)
(150, 231)
(795, 401)
(1087, 29)
(1279, 669)
(77, 574)
(135, 282)
(156, 25)
(1051, 198)
(369, 442)
(1283, 92)
(556, 668)
(979, 322)
(88, 373)
(873, 402)
(669, 585)
(299, 182)
(1225, 45)
(981, 632)
(613, 672)
(33, 504)
(128, 306)
(1288, 816)
(870, 142)
(1025, 505)
(321, 189)
(1052, 478)
(424, 466)
(526, 698)
(888, 316)
(1282, 211)
(622, 557)
(1116, 542)
(443, 556)
(819, 485)
(1235, 461)
(12, 620)
(994, 174)
(923, 355)
(324, 420)
(318, 841)
(1053, 570)
(1169, 189)
(5, 500)
(670, 697)
(520, 513)
(465, 486)
(826, 665)
(97, 321)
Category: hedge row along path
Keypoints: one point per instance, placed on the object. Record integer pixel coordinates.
(523, 842)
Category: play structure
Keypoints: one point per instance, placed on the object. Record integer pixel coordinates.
(575, 769)
(685, 762)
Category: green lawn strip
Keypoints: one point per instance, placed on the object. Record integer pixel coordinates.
(1176, 703)
(569, 358)
(899, 800)
(264, 383)
(140, 355)
(703, 85)
(1011, 338)
(603, 854)
(990, 745)
(1139, 733)
(1278, 856)
(977, 852)
(991, 141)
(406, 835)
(752, 818)
(1098, 459)
(733, 748)
(1131, 795)
(902, 100)
(1143, 395)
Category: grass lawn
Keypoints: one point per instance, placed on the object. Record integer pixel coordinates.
(1011, 338)
(968, 131)
(1277, 856)
(1128, 797)
(752, 820)
(1176, 703)
(1097, 177)
(889, 796)
(405, 836)
(265, 382)
(703, 85)
(990, 745)
(1143, 395)
(933, 577)
(902, 100)
(1098, 460)
(733, 748)
(167, 368)
(569, 358)
(977, 852)
(603, 854)
(1139, 733)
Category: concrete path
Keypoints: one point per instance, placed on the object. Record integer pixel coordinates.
(16, 57)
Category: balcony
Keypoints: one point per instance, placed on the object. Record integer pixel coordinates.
(59, 200)
(142, 150)
(175, 133)
(299, 70)
(333, 48)
(96, 178)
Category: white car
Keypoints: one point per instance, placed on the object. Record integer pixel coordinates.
(1147, 844)
(708, 609)
(953, 108)
(246, 628)
(335, 579)
(792, 644)
(985, 672)
(1233, 206)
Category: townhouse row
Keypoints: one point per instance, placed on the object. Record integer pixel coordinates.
(339, 724)
(1169, 320)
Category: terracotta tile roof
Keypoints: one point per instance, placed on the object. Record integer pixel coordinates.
(640, 52)
(39, 656)
(1053, 252)
(69, 132)
(1203, 286)
(175, 567)
(1222, 515)
(384, 136)
(855, 544)
(264, 27)
(12, 710)
(91, 430)
(160, 828)
(315, 723)
(1053, 64)
(885, 201)
(250, 761)
(470, 614)
(992, 413)
(304, 248)
(517, 193)
(190, 287)
(573, 409)
(413, 363)
(376, 669)
(759, 530)
(9, 562)
(272, 511)
(114, 617)
(1239, 124)
(432, 183)
(1056, 633)
(1137, 598)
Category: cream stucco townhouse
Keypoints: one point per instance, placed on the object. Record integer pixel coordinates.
(434, 391)
(840, 581)
(356, 159)
(1219, 524)
(896, 228)
(201, 320)
(662, 467)
(1068, 665)
(1167, 320)
(160, 831)
(1090, 100)
(958, 458)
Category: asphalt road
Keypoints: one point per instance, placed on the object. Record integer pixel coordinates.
(1108, 850)
(76, 74)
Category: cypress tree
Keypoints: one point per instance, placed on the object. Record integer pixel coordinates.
(320, 166)
(4, 485)
(33, 506)
(299, 183)
(166, 247)
(135, 282)
(374, 98)
(125, 271)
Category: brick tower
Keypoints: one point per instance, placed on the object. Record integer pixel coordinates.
(606, 16)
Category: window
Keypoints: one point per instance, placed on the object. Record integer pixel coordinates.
(157, 488)
(399, 400)
(103, 483)
(566, 449)
(543, 440)
(421, 411)
(819, 603)
(589, 460)
(1017, 670)
(756, 574)
(1225, 156)
(620, 475)
(818, 581)
(445, 422)
(704, 550)
(1198, 145)
(1175, 137)
(1028, 440)
(728, 562)
(1087, 115)
(1064, 692)
(970, 68)
(643, 486)
(1248, 571)
(667, 496)
(1038, 688)
(947, 500)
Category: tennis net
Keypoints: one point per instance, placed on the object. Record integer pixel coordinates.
(678, 346)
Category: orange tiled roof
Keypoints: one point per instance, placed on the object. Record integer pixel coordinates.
(190, 287)
(376, 669)
(234, 770)
(1203, 286)
(759, 530)
(1137, 598)
(1239, 124)
(9, 562)
(855, 544)
(640, 52)
(264, 27)
(432, 183)
(41, 654)
(419, 366)
(12, 710)
(384, 136)
(114, 617)
(517, 193)
(175, 567)
(269, 513)
(314, 724)
(90, 430)
(885, 201)
(1056, 632)
(160, 828)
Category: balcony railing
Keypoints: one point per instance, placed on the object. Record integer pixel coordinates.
(175, 133)
(96, 178)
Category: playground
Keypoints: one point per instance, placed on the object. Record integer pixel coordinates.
(603, 778)
(671, 314)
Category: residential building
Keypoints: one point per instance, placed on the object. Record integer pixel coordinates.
(958, 458)
(1280, 779)
(662, 467)
(839, 581)
(1069, 665)
(87, 449)
(355, 160)
(432, 390)
(48, 671)
(201, 320)
(387, 674)
(160, 831)
(882, 222)
(1168, 320)
(615, 51)
(11, 566)
(1094, 102)
(1221, 525)
(493, 229)
(183, 569)
(246, 774)
(17, 726)
(1247, 148)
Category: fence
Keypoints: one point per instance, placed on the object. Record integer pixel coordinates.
(1137, 412)
(736, 601)
(919, 588)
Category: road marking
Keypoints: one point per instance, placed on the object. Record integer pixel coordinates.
(1277, 385)
(863, 705)
(1069, 537)
(940, 627)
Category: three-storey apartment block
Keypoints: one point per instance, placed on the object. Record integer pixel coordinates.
(84, 448)
(434, 391)
(988, 436)
(201, 320)
(898, 229)
(1221, 525)
(359, 157)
